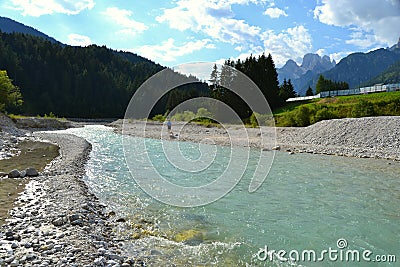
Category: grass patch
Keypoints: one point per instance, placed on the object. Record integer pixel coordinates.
(355, 106)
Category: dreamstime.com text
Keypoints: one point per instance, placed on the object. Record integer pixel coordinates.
(341, 253)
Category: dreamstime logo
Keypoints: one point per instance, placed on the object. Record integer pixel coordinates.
(153, 182)
(341, 253)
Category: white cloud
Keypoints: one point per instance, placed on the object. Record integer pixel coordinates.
(321, 52)
(361, 39)
(275, 12)
(378, 20)
(78, 40)
(38, 8)
(339, 56)
(211, 17)
(122, 17)
(292, 43)
(201, 70)
(168, 51)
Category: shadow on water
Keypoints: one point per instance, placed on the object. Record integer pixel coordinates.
(33, 154)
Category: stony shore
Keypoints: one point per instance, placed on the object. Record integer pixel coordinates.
(371, 137)
(57, 221)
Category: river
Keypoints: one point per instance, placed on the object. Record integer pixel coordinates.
(308, 203)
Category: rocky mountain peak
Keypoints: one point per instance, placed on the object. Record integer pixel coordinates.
(310, 61)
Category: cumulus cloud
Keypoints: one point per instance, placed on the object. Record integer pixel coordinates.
(376, 22)
(122, 17)
(38, 8)
(213, 18)
(275, 12)
(168, 51)
(292, 43)
(78, 40)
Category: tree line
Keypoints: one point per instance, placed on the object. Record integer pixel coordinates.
(261, 70)
(97, 82)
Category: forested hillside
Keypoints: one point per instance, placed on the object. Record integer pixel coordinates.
(390, 75)
(71, 81)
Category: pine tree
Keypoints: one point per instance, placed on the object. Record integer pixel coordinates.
(309, 91)
(214, 78)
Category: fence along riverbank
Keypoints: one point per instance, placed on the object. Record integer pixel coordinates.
(356, 91)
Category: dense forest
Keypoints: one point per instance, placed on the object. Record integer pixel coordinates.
(71, 81)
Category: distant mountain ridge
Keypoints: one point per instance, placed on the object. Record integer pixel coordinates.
(8, 25)
(356, 69)
(312, 65)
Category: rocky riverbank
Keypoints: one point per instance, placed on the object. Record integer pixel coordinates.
(372, 137)
(57, 221)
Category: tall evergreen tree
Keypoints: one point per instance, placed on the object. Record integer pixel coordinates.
(286, 91)
(309, 91)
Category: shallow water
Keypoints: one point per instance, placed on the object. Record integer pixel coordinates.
(308, 202)
(32, 154)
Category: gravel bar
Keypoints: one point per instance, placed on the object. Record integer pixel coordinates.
(58, 222)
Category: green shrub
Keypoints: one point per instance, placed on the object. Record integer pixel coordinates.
(323, 114)
(203, 113)
(159, 117)
(363, 109)
(185, 116)
(257, 119)
(303, 116)
(50, 116)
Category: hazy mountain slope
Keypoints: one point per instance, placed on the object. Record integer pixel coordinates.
(9, 26)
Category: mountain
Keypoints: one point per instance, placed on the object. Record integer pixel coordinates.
(312, 65)
(9, 26)
(358, 68)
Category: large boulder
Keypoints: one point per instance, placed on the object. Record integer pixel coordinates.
(32, 172)
(14, 174)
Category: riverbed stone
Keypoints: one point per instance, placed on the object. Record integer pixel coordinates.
(31, 172)
(14, 174)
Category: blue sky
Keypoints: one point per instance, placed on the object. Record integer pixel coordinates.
(180, 31)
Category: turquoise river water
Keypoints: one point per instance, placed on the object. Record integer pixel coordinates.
(346, 210)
